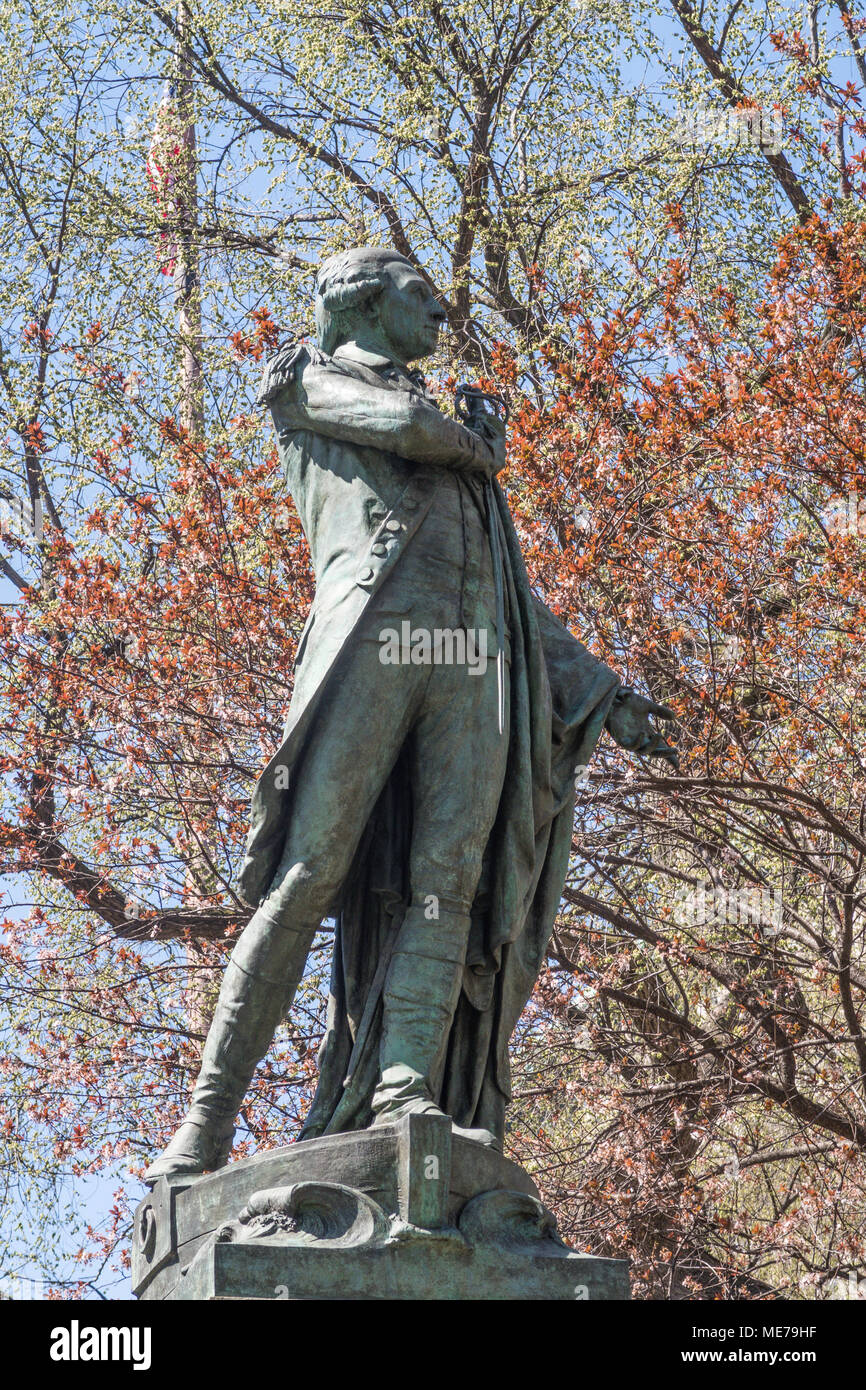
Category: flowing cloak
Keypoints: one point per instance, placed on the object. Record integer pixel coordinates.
(559, 699)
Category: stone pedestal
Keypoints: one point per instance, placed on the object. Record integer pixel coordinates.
(405, 1211)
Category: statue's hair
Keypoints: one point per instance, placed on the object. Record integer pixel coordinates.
(345, 287)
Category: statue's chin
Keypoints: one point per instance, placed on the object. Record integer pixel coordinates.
(429, 338)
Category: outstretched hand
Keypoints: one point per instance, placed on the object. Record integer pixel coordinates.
(628, 723)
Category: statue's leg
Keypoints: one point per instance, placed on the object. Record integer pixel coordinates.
(421, 991)
(458, 766)
(338, 782)
(256, 992)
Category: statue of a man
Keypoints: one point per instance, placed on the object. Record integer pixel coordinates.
(423, 799)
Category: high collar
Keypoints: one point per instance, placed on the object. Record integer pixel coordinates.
(354, 353)
(389, 367)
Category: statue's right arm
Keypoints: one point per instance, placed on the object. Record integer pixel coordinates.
(329, 401)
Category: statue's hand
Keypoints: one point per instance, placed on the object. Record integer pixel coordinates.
(628, 723)
(491, 430)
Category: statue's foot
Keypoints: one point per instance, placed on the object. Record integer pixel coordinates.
(422, 1104)
(478, 1136)
(411, 1105)
(194, 1149)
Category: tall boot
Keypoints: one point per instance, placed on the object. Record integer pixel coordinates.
(257, 991)
(421, 992)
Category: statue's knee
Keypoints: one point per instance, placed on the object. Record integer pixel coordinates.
(446, 888)
(268, 948)
(302, 890)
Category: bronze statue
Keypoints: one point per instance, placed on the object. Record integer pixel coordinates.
(423, 792)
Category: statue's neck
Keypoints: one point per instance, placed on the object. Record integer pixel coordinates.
(371, 341)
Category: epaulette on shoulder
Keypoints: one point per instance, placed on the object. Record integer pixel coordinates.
(283, 367)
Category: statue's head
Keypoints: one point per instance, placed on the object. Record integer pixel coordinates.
(374, 292)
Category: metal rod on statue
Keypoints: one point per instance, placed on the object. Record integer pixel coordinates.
(496, 557)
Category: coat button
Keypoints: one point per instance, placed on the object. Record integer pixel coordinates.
(379, 548)
(366, 575)
(393, 525)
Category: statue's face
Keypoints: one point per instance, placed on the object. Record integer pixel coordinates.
(409, 315)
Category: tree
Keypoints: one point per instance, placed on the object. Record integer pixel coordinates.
(661, 267)
(704, 526)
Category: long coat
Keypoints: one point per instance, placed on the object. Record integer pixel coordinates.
(339, 422)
